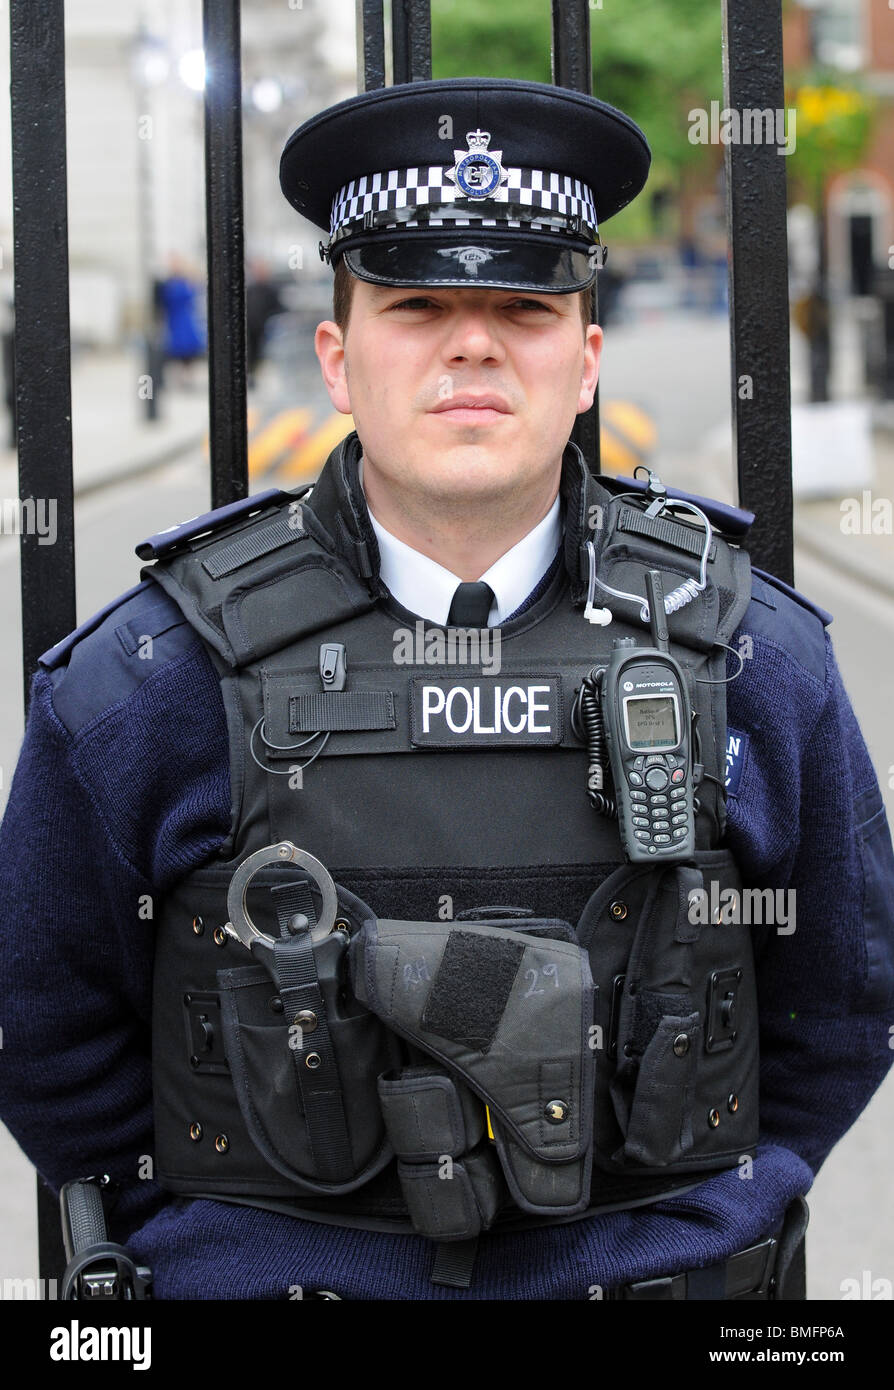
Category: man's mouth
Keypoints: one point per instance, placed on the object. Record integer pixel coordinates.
(468, 408)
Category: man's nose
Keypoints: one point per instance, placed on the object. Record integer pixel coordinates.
(473, 336)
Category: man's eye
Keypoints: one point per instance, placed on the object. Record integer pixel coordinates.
(529, 304)
(419, 302)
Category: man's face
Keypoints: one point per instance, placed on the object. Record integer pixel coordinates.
(461, 395)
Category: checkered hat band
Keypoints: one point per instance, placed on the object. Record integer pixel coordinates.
(401, 188)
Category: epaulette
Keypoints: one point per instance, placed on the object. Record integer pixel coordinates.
(788, 619)
(783, 588)
(167, 541)
(54, 656)
(734, 522)
(108, 657)
(164, 543)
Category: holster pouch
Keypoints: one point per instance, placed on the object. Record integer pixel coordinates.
(676, 1015)
(790, 1276)
(449, 1177)
(508, 1014)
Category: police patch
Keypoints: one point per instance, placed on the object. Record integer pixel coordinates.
(736, 753)
(447, 713)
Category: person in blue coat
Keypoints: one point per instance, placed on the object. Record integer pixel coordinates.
(122, 788)
(177, 298)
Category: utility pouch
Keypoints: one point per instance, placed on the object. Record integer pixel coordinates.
(676, 1016)
(449, 1177)
(305, 1075)
(509, 1015)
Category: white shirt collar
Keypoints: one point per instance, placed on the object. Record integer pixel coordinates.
(423, 586)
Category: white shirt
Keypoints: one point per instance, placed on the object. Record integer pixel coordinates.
(427, 588)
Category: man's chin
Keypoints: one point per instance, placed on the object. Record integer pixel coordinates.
(459, 467)
(498, 442)
(473, 467)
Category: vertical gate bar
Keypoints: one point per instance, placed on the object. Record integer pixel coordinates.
(400, 41)
(411, 40)
(759, 318)
(42, 336)
(370, 45)
(572, 67)
(42, 377)
(226, 252)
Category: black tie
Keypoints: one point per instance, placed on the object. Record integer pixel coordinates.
(471, 605)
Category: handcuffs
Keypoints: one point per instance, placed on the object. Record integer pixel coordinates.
(241, 927)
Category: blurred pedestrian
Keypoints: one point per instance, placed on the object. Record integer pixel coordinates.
(262, 302)
(184, 338)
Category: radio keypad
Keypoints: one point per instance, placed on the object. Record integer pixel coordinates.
(663, 809)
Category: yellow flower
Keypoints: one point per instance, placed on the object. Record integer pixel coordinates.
(819, 106)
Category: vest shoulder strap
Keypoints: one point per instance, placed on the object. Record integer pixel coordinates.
(734, 522)
(627, 537)
(256, 575)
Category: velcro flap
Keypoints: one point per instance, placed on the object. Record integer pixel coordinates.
(252, 544)
(298, 596)
(472, 988)
(622, 567)
(342, 711)
(660, 1128)
(668, 530)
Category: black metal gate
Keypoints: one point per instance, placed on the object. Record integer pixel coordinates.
(756, 209)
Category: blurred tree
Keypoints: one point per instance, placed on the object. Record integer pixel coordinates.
(655, 59)
(833, 124)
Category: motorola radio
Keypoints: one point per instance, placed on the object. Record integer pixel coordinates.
(648, 727)
(639, 705)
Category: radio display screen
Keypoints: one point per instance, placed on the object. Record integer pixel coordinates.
(651, 722)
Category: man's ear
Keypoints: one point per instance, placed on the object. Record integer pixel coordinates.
(330, 349)
(590, 370)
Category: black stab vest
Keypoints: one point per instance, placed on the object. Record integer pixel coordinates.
(425, 823)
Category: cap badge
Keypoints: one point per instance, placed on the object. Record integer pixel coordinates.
(478, 172)
(471, 257)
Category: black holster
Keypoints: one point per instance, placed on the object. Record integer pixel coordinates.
(98, 1270)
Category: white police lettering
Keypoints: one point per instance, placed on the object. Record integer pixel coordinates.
(454, 712)
(487, 710)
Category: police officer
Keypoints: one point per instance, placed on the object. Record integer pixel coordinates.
(510, 1035)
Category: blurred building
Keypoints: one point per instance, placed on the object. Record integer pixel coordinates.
(856, 38)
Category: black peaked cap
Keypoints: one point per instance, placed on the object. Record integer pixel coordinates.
(534, 124)
(519, 208)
